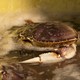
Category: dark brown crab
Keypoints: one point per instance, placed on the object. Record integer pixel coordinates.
(56, 37)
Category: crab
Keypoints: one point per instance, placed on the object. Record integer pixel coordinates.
(56, 38)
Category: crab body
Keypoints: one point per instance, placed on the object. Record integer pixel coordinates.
(55, 37)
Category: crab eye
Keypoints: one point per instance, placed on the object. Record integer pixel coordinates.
(27, 39)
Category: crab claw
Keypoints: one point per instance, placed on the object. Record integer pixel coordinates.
(49, 57)
(52, 57)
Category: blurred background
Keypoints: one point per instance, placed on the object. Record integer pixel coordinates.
(52, 9)
(15, 11)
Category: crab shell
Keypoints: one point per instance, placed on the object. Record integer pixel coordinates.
(50, 34)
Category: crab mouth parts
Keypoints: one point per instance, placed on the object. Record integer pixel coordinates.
(57, 55)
